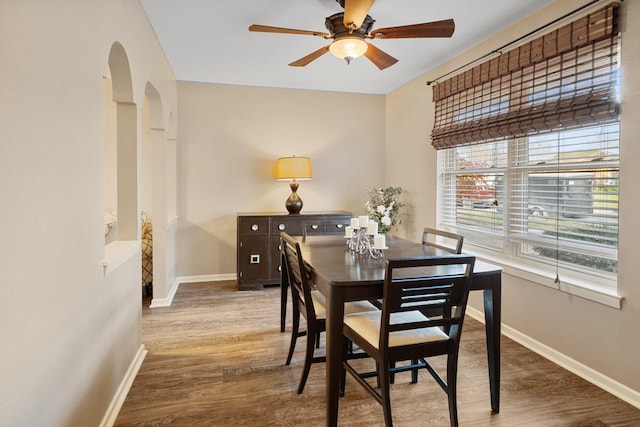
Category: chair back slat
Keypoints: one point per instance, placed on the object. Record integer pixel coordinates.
(441, 239)
(411, 285)
(298, 276)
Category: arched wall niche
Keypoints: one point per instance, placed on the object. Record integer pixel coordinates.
(120, 74)
(126, 142)
(155, 106)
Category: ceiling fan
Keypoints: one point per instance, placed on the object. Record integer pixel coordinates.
(350, 28)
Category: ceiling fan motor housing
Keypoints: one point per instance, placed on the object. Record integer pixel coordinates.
(336, 28)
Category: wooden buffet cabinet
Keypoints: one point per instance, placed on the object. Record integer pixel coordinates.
(258, 243)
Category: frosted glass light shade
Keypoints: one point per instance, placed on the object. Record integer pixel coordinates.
(348, 47)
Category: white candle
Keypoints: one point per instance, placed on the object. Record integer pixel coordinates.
(379, 241)
(355, 223)
(364, 221)
(372, 228)
(348, 231)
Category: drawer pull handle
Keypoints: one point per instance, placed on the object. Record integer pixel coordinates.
(255, 259)
(254, 227)
(339, 225)
(281, 227)
(279, 268)
(314, 227)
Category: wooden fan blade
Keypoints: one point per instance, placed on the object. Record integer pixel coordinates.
(355, 11)
(312, 56)
(268, 29)
(428, 29)
(381, 59)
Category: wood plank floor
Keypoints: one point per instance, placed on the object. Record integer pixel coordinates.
(216, 358)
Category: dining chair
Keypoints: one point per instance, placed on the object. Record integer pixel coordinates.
(401, 332)
(441, 239)
(310, 303)
(445, 240)
(323, 228)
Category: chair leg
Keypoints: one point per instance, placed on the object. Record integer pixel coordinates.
(392, 376)
(385, 379)
(343, 375)
(452, 386)
(308, 358)
(414, 372)
(283, 304)
(295, 325)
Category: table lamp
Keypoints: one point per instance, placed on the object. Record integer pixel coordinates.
(294, 169)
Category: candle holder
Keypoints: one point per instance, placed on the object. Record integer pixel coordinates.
(361, 243)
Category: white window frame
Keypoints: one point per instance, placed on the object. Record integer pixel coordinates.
(496, 246)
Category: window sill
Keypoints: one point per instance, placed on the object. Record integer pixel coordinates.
(117, 253)
(571, 286)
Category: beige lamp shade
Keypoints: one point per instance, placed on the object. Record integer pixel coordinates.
(289, 168)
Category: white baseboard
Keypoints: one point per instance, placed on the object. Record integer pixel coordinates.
(111, 415)
(619, 390)
(207, 278)
(166, 302)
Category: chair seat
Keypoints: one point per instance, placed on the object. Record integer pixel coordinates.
(319, 303)
(367, 325)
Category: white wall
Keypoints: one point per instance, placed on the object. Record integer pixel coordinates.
(230, 138)
(68, 335)
(600, 338)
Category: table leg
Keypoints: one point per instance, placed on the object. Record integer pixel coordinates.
(335, 313)
(492, 318)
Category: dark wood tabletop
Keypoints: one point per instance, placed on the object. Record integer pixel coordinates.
(331, 259)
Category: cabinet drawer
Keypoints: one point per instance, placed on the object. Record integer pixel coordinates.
(335, 226)
(326, 226)
(253, 226)
(293, 227)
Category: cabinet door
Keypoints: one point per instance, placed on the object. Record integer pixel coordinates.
(253, 258)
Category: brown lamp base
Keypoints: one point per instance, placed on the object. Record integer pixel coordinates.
(294, 202)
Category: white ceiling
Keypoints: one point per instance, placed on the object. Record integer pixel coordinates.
(209, 40)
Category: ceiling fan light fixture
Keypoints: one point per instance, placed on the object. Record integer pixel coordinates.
(348, 47)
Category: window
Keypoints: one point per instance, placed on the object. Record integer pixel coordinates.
(528, 158)
(553, 196)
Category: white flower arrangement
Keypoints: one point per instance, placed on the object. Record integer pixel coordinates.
(383, 207)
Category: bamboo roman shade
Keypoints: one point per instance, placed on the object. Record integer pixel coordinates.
(561, 80)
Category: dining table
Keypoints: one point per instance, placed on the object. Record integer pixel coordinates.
(342, 275)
